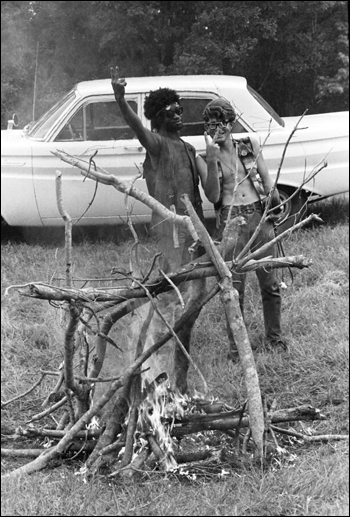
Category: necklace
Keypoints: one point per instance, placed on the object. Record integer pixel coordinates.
(232, 169)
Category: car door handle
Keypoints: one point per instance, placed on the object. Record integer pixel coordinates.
(134, 148)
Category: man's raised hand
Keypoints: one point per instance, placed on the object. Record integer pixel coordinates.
(118, 84)
(212, 147)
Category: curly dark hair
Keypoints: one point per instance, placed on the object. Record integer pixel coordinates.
(157, 100)
(221, 109)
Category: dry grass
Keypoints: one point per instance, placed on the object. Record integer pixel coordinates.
(315, 320)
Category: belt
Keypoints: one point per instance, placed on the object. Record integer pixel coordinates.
(246, 209)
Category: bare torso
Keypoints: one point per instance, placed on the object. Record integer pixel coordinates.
(234, 175)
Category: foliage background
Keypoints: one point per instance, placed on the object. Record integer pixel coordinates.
(295, 54)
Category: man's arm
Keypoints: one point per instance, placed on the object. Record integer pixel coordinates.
(148, 139)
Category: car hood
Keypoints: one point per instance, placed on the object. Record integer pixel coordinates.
(326, 124)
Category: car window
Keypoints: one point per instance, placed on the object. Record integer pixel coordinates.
(98, 121)
(266, 106)
(237, 127)
(193, 117)
(45, 123)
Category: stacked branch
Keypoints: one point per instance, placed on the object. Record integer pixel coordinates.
(78, 376)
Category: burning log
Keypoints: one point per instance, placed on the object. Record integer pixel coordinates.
(163, 416)
(148, 419)
(228, 421)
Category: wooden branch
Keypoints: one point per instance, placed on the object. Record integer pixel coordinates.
(30, 453)
(188, 457)
(22, 453)
(109, 320)
(135, 466)
(298, 261)
(41, 462)
(229, 296)
(114, 420)
(307, 438)
(74, 314)
(4, 404)
(58, 384)
(175, 336)
(228, 421)
(32, 432)
(201, 268)
(132, 422)
(68, 228)
(109, 179)
(48, 411)
(241, 260)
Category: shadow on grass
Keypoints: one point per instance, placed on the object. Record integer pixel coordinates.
(55, 236)
(333, 211)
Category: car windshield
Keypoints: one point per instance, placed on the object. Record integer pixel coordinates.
(267, 106)
(45, 123)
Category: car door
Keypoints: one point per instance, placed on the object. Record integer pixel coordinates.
(95, 131)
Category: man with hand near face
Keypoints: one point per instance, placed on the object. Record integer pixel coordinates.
(237, 176)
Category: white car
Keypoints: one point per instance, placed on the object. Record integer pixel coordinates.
(87, 120)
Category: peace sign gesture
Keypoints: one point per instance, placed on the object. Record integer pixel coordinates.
(212, 147)
(118, 84)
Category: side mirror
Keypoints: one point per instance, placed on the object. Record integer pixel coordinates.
(12, 123)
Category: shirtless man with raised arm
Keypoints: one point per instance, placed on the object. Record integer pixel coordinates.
(170, 170)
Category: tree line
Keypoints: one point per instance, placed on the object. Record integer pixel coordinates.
(294, 53)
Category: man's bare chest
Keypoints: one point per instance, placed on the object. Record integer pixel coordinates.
(232, 168)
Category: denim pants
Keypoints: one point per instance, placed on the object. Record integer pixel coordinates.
(269, 285)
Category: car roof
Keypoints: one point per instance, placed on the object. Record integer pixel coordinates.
(176, 82)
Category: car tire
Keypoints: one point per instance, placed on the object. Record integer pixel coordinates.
(293, 211)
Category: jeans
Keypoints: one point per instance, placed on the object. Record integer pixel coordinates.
(269, 285)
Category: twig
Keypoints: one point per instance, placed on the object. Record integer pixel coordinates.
(100, 334)
(174, 287)
(149, 272)
(238, 428)
(246, 440)
(241, 262)
(120, 443)
(58, 383)
(133, 467)
(48, 411)
(4, 404)
(306, 438)
(134, 267)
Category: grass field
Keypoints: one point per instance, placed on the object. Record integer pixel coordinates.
(311, 480)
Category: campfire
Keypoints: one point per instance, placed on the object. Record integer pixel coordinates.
(134, 420)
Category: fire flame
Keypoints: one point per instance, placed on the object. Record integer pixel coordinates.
(157, 414)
